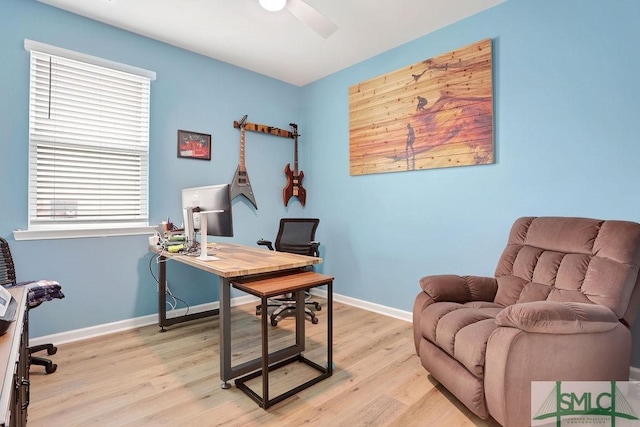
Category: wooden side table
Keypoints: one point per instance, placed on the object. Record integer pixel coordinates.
(266, 287)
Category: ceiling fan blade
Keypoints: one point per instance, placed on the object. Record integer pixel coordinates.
(314, 19)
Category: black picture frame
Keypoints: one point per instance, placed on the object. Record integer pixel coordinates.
(194, 145)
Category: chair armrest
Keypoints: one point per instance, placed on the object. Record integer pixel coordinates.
(552, 317)
(314, 248)
(266, 243)
(461, 289)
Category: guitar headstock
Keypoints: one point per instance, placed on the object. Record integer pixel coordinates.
(295, 129)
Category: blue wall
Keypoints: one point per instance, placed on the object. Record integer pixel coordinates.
(108, 279)
(567, 125)
(566, 130)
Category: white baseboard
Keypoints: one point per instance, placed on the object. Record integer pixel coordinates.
(365, 305)
(123, 325)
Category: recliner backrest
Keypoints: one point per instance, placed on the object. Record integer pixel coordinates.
(572, 259)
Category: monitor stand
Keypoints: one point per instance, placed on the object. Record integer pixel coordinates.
(203, 237)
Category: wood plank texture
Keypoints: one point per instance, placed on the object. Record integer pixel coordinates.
(436, 113)
(142, 377)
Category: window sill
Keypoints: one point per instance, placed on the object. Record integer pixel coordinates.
(75, 234)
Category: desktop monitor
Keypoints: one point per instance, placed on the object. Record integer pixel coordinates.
(210, 205)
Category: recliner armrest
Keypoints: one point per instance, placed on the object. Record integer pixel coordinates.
(552, 317)
(461, 289)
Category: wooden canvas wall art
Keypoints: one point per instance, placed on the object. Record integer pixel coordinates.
(433, 114)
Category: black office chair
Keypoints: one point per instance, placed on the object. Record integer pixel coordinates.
(296, 235)
(38, 292)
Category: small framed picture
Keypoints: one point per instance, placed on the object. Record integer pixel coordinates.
(194, 145)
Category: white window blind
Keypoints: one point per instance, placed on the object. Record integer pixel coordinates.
(88, 145)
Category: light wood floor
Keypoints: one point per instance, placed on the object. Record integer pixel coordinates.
(142, 377)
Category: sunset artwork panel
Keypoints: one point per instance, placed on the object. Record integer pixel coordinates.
(434, 114)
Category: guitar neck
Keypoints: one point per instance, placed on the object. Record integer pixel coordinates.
(241, 165)
(295, 147)
(295, 154)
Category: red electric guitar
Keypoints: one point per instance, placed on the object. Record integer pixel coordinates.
(294, 179)
(241, 184)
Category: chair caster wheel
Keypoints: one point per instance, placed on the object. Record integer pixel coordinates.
(274, 322)
(52, 351)
(318, 306)
(314, 320)
(50, 369)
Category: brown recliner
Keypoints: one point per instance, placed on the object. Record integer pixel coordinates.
(564, 296)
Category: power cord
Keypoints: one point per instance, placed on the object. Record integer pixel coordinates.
(172, 304)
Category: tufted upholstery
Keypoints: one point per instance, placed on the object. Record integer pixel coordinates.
(562, 287)
(570, 260)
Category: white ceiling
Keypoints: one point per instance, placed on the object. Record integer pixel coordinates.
(277, 44)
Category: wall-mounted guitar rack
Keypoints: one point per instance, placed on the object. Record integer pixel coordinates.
(294, 177)
(254, 127)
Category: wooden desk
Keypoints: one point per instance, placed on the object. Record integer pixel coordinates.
(14, 366)
(235, 261)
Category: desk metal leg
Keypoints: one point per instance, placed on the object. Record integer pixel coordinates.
(300, 319)
(225, 332)
(162, 293)
(265, 352)
(330, 328)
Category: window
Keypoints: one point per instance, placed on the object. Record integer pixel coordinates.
(88, 142)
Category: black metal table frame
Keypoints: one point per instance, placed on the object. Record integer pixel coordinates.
(265, 401)
(162, 302)
(227, 370)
